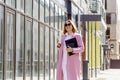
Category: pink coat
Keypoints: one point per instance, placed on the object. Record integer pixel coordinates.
(73, 62)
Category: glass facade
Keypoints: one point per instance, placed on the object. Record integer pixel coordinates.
(2, 0)
(52, 10)
(20, 5)
(11, 3)
(20, 46)
(28, 39)
(35, 8)
(1, 40)
(35, 50)
(42, 58)
(47, 53)
(42, 11)
(47, 11)
(28, 49)
(28, 7)
(10, 39)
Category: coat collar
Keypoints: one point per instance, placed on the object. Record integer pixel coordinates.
(73, 34)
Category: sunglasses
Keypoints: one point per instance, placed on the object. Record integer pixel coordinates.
(68, 24)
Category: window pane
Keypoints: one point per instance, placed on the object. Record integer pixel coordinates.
(51, 55)
(63, 19)
(19, 47)
(1, 40)
(60, 18)
(28, 7)
(35, 50)
(35, 8)
(11, 3)
(52, 13)
(2, 0)
(28, 27)
(42, 10)
(20, 5)
(41, 52)
(46, 53)
(10, 43)
(47, 11)
(56, 51)
(56, 17)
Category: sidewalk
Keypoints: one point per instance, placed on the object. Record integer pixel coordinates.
(110, 74)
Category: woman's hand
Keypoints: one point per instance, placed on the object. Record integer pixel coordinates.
(58, 45)
(69, 49)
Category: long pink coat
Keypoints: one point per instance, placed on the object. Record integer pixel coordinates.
(73, 62)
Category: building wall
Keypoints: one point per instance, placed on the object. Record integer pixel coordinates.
(28, 38)
(114, 28)
(111, 6)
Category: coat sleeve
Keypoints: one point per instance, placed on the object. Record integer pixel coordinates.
(80, 47)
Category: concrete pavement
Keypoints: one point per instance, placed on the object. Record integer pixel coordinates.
(110, 74)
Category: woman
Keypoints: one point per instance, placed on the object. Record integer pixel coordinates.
(68, 67)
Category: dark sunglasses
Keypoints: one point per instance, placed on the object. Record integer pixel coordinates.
(68, 24)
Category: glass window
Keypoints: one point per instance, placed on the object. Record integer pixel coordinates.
(19, 47)
(56, 17)
(11, 3)
(56, 50)
(60, 18)
(42, 41)
(35, 8)
(51, 55)
(20, 5)
(35, 50)
(28, 27)
(46, 53)
(42, 14)
(2, 0)
(63, 19)
(47, 11)
(1, 40)
(28, 7)
(10, 46)
(52, 13)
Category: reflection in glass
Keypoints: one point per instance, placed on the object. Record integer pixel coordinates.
(28, 27)
(51, 55)
(42, 14)
(63, 19)
(1, 40)
(2, 0)
(47, 11)
(35, 8)
(28, 7)
(56, 51)
(10, 50)
(19, 47)
(11, 3)
(60, 19)
(20, 5)
(52, 14)
(35, 50)
(41, 52)
(56, 17)
(47, 53)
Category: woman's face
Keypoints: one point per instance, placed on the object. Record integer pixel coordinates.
(68, 26)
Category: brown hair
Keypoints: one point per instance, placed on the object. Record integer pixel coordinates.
(74, 27)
